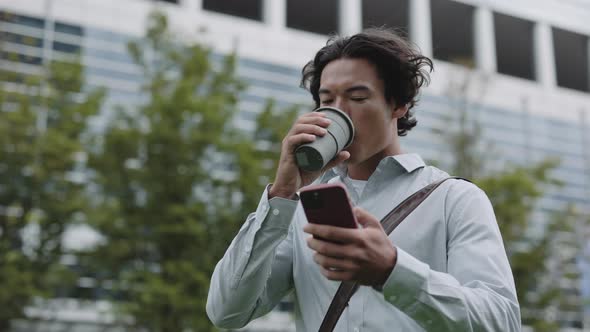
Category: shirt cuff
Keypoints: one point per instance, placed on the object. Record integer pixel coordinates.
(406, 281)
(276, 212)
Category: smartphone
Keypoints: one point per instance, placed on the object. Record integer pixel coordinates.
(328, 204)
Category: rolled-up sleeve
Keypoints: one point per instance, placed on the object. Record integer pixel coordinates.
(256, 270)
(477, 291)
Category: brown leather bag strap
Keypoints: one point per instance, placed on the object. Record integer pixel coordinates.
(389, 223)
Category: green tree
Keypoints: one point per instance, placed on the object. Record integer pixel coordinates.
(42, 122)
(556, 294)
(175, 181)
(271, 128)
(514, 192)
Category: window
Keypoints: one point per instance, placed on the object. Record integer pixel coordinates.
(251, 9)
(571, 59)
(69, 29)
(452, 32)
(21, 39)
(14, 77)
(111, 73)
(105, 35)
(107, 54)
(66, 48)
(514, 46)
(392, 14)
(313, 16)
(21, 19)
(22, 58)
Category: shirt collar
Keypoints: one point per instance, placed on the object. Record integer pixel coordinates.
(408, 162)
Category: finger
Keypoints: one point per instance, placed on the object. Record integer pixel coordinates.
(313, 114)
(326, 248)
(336, 275)
(333, 233)
(316, 118)
(308, 129)
(296, 140)
(366, 219)
(331, 263)
(340, 157)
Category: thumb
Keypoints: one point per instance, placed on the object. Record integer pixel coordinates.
(340, 158)
(366, 219)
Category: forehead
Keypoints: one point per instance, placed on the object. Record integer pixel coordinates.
(342, 73)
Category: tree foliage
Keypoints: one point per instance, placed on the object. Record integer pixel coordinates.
(175, 181)
(42, 122)
(515, 191)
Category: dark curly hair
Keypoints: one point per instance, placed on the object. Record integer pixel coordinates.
(401, 67)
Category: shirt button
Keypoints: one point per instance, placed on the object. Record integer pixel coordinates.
(275, 212)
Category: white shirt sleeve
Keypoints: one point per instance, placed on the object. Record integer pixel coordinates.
(256, 271)
(477, 293)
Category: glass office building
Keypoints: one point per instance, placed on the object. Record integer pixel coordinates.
(523, 73)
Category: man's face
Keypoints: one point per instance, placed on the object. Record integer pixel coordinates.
(353, 86)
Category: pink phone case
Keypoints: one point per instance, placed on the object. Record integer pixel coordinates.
(328, 204)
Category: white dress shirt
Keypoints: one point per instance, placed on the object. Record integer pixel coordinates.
(452, 273)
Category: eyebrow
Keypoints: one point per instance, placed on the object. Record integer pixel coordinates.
(351, 89)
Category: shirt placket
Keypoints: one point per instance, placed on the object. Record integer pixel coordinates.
(356, 311)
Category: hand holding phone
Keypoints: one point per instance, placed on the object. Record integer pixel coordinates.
(328, 204)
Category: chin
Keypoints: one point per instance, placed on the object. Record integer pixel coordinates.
(351, 160)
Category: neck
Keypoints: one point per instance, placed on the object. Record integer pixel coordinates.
(366, 168)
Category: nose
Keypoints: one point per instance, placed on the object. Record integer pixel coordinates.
(341, 105)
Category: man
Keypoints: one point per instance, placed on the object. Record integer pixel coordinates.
(443, 269)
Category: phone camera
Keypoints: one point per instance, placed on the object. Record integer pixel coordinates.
(315, 201)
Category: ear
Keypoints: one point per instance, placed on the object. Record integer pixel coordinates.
(398, 112)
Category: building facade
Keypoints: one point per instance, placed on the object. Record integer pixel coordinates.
(522, 68)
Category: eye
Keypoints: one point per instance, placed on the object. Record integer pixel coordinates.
(326, 102)
(358, 99)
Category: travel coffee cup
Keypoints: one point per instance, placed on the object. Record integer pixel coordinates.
(315, 155)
